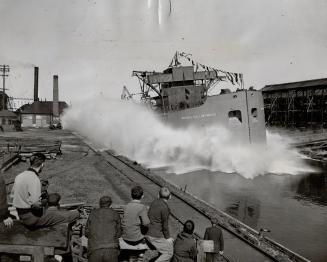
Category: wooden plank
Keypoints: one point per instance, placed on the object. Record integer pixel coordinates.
(56, 236)
(8, 161)
(11, 161)
(16, 249)
(36, 252)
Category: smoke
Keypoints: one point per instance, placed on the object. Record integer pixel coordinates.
(136, 132)
(16, 63)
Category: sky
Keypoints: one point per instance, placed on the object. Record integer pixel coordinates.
(95, 45)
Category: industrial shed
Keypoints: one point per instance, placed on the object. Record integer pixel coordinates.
(297, 104)
(39, 113)
(8, 120)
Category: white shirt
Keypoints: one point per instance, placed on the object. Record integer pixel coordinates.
(26, 189)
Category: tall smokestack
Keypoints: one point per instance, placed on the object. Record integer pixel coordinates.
(36, 84)
(55, 109)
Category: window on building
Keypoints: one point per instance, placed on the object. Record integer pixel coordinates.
(254, 114)
(235, 117)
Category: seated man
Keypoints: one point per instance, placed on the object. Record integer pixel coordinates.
(185, 244)
(135, 216)
(26, 194)
(103, 229)
(53, 210)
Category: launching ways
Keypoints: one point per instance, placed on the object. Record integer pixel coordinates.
(242, 242)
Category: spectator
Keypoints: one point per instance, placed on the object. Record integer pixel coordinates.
(53, 210)
(4, 212)
(214, 233)
(27, 196)
(158, 234)
(185, 244)
(103, 229)
(135, 216)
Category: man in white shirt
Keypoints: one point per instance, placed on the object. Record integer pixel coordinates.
(26, 194)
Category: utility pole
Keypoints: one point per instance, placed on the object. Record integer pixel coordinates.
(4, 69)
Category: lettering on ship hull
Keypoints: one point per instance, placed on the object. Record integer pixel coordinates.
(198, 116)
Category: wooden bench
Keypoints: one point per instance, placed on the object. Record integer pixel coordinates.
(36, 243)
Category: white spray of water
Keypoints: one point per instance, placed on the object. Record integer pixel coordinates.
(133, 130)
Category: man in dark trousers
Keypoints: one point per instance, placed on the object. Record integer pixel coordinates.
(4, 213)
(214, 233)
(158, 232)
(103, 229)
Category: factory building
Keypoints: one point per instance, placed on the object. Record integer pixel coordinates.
(42, 113)
(297, 104)
(8, 121)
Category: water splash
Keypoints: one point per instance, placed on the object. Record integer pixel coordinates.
(133, 130)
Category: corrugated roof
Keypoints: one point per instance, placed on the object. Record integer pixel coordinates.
(7, 113)
(295, 85)
(41, 107)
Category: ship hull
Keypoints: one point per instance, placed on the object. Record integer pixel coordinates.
(240, 112)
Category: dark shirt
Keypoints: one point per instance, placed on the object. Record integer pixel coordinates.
(103, 229)
(66, 216)
(215, 234)
(185, 248)
(4, 213)
(159, 215)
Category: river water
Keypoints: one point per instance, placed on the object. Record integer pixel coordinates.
(293, 208)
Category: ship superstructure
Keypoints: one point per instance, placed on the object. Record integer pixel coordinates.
(180, 95)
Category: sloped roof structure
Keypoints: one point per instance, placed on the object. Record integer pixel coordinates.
(7, 113)
(296, 85)
(42, 108)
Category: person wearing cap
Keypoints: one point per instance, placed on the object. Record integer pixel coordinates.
(103, 230)
(4, 212)
(158, 231)
(135, 217)
(185, 244)
(26, 194)
(214, 233)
